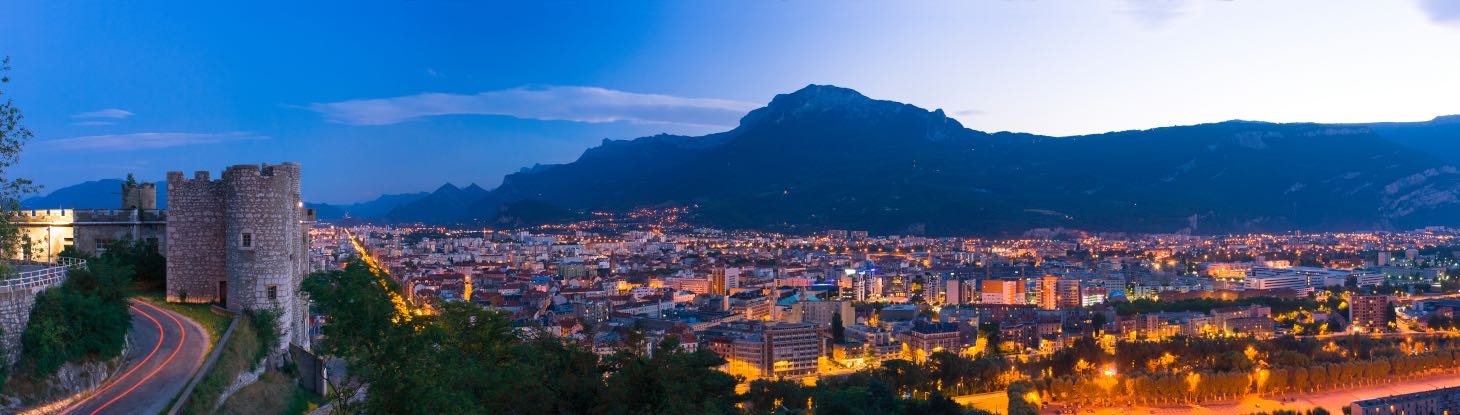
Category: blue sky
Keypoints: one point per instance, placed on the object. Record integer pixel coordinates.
(395, 96)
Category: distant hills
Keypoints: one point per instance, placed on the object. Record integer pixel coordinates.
(95, 194)
(828, 157)
(106, 194)
(371, 209)
(438, 206)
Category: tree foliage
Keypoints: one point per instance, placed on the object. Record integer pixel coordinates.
(466, 359)
(13, 136)
(85, 317)
(145, 257)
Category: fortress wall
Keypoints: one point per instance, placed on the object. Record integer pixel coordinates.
(195, 238)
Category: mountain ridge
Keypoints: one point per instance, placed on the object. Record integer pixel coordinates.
(827, 156)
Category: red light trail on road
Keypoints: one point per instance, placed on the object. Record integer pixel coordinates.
(160, 338)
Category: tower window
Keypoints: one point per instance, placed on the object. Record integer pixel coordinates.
(246, 240)
(273, 292)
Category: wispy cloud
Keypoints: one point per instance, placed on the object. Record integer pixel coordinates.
(559, 103)
(93, 123)
(433, 73)
(142, 141)
(1154, 13)
(1442, 11)
(109, 113)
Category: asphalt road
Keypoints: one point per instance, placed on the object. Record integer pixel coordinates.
(167, 348)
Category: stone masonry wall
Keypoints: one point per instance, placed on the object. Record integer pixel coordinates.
(207, 224)
(195, 238)
(139, 196)
(15, 305)
(264, 202)
(15, 308)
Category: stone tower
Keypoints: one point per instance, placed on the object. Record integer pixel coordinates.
(242, 241)
(139, 195)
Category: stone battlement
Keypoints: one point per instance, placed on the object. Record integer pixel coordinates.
(84, 216)
(241, 240)
(286, 171)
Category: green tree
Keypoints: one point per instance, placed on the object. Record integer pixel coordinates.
(1097, 321)
(990, 331)
(905, 377)
(951, 371)
(936, 404)
(769, 396)
(467, 359)
(266, 324)
(856, 395)
(838, 332)
(670, 381)
(1018, 402)
(85, 317)
(149, 266)
(13, 136)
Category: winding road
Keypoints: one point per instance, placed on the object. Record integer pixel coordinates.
(166, 350)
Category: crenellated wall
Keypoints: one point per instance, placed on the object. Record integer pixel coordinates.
(241, 239)
(195, 243)
(139, 196)
(45, 233)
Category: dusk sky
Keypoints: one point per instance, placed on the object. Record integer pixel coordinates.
(397, 96)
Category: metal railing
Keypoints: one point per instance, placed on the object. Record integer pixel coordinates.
(53, 274)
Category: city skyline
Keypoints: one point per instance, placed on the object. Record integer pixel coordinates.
(789, 207)
(344, 90)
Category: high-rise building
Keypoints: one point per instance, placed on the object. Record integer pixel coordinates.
(932, 288)
(1369, 312)
(1003, 291)
(723, 279)
(1049, 292)
(822, 312)
(960, 292)
(1068, 293)
(768, 350)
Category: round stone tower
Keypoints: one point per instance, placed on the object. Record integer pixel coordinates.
(264, 243)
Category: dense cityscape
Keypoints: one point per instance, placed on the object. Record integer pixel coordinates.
(749, 207)
(1057, 308)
